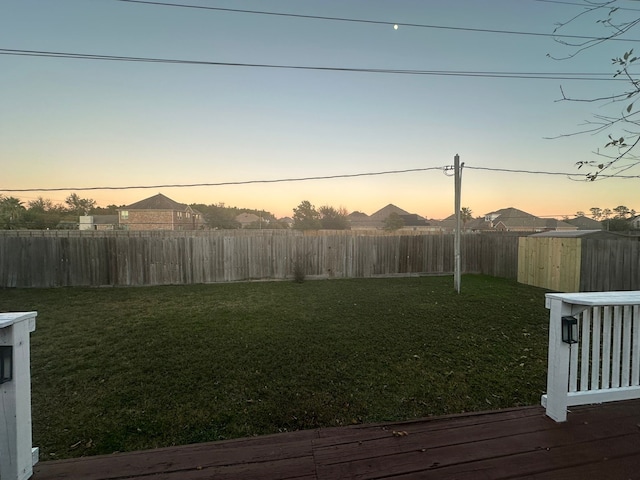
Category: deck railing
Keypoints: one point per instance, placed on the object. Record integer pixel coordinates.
(604, 364)
(17, 456)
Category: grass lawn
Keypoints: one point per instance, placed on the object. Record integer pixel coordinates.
(119, 369)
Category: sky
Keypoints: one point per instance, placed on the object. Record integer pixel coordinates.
(73, 124)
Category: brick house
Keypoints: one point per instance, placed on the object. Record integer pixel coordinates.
(159, 213)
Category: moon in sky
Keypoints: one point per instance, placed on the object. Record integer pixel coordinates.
(395, 27)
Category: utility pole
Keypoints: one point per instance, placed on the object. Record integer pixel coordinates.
(457, 167)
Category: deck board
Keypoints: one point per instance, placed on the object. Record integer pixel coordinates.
(600, 441)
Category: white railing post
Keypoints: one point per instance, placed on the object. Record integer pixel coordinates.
(555, 400)
(17, 456)
(604, 365)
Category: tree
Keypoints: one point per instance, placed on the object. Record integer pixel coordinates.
(596, 213)
(40, 205)
(623, 212)
(108, 210)
(79, 206)
(306, 217)
(393, 222)
(259, 224)
(617, 224)
(622, 124)
(466, 214)
(42, 213)
(580, 213)
(332, 219)
(11, 213)
(218, 216)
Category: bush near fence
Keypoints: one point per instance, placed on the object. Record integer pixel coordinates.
(120, 258)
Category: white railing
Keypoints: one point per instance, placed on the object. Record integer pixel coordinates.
(17, 456)
(604, 364)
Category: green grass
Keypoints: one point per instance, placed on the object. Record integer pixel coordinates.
(123, 369)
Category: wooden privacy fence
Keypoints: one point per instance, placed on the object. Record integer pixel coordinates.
(123, 260)
(610, 265)
(579, 264)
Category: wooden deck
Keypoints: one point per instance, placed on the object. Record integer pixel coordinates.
(597, 442)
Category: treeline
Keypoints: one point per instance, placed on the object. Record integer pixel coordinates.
(618, 219)
(219, 216)
(43, 214)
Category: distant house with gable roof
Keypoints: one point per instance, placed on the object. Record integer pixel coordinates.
(159, 213)
(585, 223)
(509, 220)
(514, 220)
(247, 219)
(377, 220)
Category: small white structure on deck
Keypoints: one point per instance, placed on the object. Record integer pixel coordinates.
(604, 364)
(17, 456)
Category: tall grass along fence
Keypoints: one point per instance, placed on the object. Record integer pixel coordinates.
(125, 259)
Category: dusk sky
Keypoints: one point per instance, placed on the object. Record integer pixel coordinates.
(72, 123)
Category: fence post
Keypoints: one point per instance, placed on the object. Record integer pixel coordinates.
(17, 456)
(555, 400)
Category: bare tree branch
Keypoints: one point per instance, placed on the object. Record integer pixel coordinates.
(623, 128)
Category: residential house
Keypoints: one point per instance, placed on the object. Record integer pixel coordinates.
(377, 220)
(359, 221)
(159, 213)
(635, 222)
(98, 222)
(288, 221)
(508, 220)
(514, 220)
(473, 225)
(585, 223)
(247, 219)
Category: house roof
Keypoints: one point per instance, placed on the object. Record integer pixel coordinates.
(384, 212)
(414, 220)
(585, 223)
(360, 220)
(513, 219)
(246, 218)
(473, 224)
(157, 202)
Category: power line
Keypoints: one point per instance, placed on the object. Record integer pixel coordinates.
(450, 73)
(221, 184)
(444, 168)
(536, 172)
(372, 22)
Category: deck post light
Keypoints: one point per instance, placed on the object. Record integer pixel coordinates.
(569, 330)
(6, 363)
